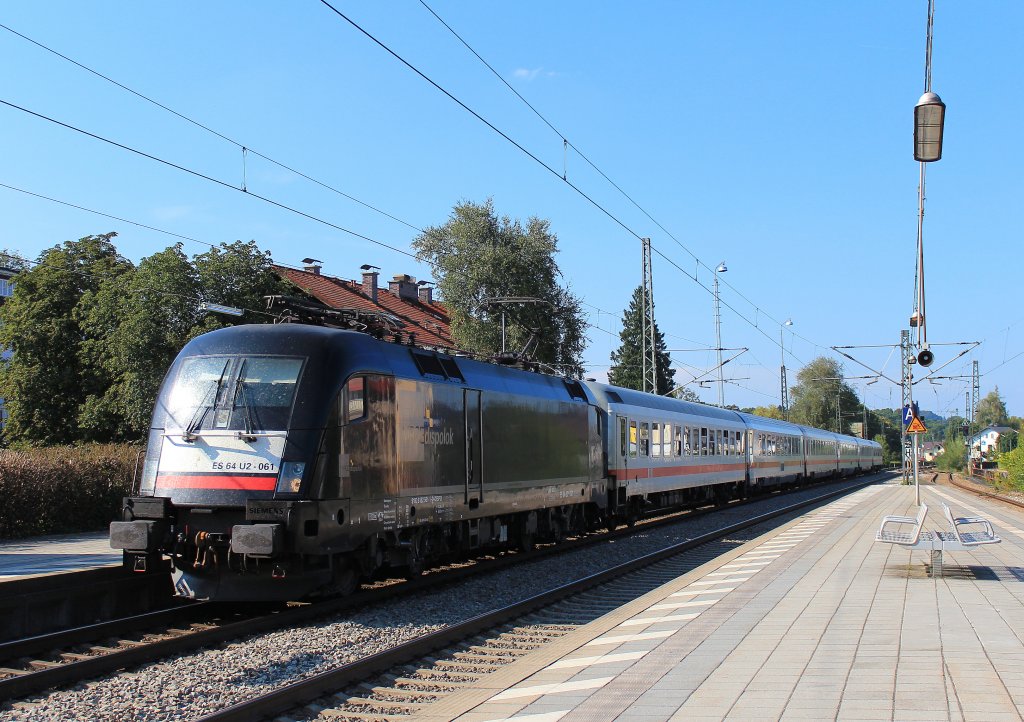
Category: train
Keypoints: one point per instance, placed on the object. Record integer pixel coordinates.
(288, 461)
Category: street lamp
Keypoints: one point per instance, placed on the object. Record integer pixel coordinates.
(929, 117)
(718, 336)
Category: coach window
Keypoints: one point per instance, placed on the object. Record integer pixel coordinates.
(687, 445)
(739, 443)
(703, 441)
(678, 438)
(632, 437)
(623, 448)
(355, 399)
(645, 439)
(655, 439)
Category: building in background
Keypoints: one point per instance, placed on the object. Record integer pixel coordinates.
(986, 441)
(409, 301)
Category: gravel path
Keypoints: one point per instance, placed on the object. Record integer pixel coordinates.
(197, 683)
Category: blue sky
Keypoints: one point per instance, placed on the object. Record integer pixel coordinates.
(773, 136)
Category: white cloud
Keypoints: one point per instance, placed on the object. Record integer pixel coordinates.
(529, 75)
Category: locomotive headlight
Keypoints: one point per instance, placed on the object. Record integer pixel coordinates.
(290, 480)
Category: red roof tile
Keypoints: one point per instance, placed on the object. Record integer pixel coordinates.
(429, 321)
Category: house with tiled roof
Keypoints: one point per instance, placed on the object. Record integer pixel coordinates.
(408, 301)
(986, 441)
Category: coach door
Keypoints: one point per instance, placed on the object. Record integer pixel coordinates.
(474, 460)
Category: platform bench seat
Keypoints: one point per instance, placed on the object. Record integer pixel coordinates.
(915, 537)
(956, 539)
(963, 538)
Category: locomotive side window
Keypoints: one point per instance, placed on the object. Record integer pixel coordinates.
(632, 437)
(355, 399)
(645, 439)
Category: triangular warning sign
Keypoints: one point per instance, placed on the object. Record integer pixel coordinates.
(916, 426)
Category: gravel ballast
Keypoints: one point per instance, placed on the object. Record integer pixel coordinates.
(198, 683)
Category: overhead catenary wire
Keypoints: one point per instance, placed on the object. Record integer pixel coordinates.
(245, 148)
(567, 143)
(546, 166)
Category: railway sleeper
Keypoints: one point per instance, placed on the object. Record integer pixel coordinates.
(398, 692)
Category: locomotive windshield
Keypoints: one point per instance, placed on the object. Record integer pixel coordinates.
(246, 394)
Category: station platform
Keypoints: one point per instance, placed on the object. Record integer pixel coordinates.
(56, 553)
(812, 621)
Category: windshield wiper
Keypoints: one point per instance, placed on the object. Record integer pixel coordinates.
(203, 409)
(242, 392)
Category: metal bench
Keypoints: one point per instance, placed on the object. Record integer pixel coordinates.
(938, 541)
(915, 538)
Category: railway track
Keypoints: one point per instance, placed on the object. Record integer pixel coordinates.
(53, 660)
(981, 492)
(406, 680)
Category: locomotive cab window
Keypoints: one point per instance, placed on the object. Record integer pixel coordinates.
(248, 393)
(354, 399)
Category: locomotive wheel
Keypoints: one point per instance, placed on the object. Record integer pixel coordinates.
(346, 579)
(525, 542)
(417, 563)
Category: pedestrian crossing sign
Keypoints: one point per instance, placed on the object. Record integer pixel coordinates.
(916, 426)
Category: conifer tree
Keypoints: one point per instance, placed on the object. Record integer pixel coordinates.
(628, 360)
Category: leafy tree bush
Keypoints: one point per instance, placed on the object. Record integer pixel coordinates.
(1013, 463)
(63, 489)
(478, 256)
(93, 335)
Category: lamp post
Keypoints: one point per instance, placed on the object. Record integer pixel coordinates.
(784, 389)
(718, 336)
(929, 117)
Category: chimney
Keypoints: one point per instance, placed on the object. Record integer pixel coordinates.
(426, 293)
(312, 265)
(403, 286)
(370, 284)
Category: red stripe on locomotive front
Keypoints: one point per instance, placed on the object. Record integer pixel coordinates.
(252, 482)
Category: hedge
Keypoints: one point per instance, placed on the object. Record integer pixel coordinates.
(57, 490)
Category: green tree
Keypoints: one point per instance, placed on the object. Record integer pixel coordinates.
(768, 412)
(156, 312)
(820, 396)
(477, 256)
(50, 374)
(237, 274)
(628, 359)
(991, 410)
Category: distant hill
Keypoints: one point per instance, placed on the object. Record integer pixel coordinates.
(931, 416)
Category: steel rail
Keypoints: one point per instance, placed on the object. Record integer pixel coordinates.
(980, 492)
(74, 671)
(304, 691)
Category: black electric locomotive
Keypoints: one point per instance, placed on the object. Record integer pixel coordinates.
(290, 460)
